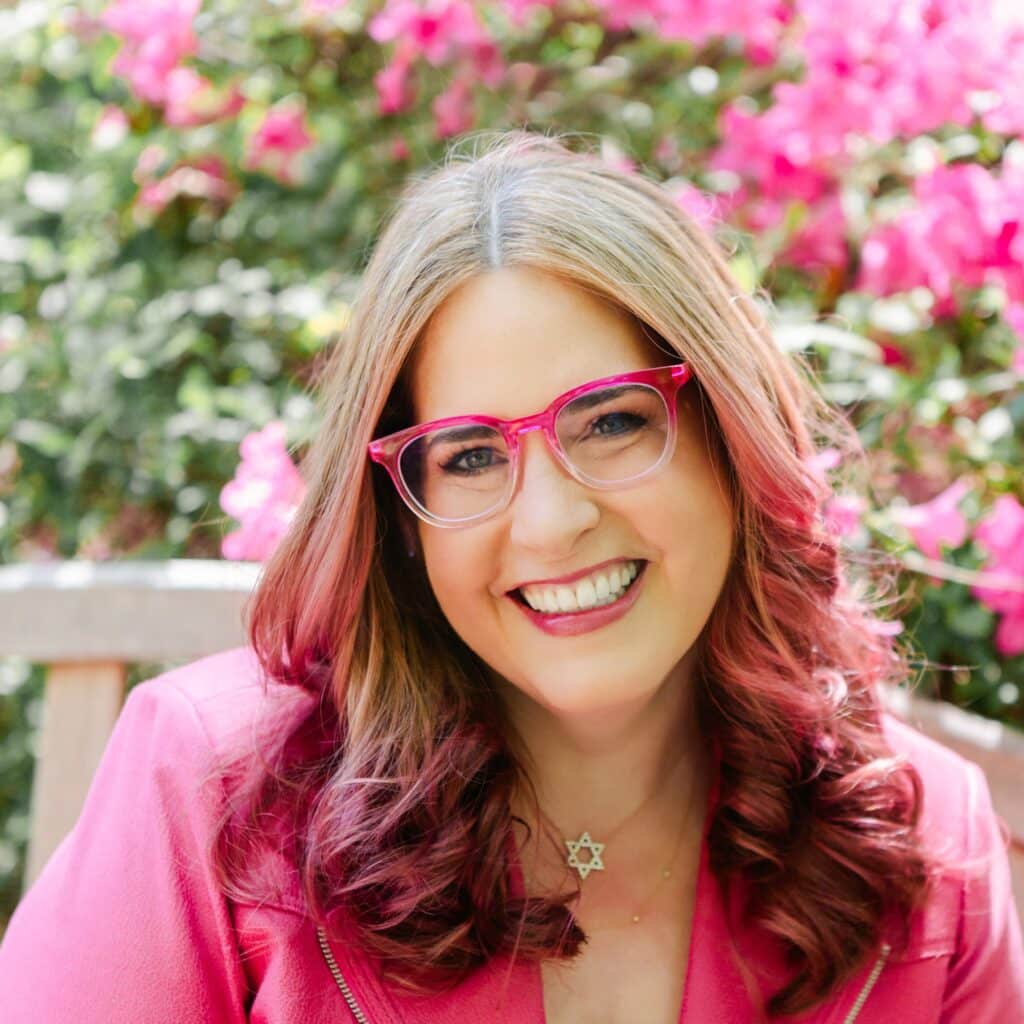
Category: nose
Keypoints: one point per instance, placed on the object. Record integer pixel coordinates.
(550, 509)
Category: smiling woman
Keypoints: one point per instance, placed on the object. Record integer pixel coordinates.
(558, 704)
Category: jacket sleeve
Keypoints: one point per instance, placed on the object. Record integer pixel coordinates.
(126, 922)
(986, 974)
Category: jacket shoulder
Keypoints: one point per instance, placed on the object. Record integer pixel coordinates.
(231, 696)
(948, 781)
(228, 699)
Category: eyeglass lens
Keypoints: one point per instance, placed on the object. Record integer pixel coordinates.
(609, 435)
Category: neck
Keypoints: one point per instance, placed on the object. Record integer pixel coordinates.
(592, 771)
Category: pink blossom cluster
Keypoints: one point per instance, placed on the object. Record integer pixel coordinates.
(276, 145)
(1001, 534)
(896, 70)
(451, 33)
(936, 523)
(775, 167)
(203, 177)
(872, 72)
(939, 523)
(443, 33)
(263, 495)
(758, 23)
(965, 228)
(842, 513)
(700, 205)
(156, 35)
(192, 99)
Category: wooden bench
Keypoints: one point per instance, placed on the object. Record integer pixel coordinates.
(87, 621)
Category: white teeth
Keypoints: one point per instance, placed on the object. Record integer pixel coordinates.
(596, 590)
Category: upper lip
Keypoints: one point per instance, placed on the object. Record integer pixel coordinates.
(572, 576)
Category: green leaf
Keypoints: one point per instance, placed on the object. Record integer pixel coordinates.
(45, 438)
(972, 620)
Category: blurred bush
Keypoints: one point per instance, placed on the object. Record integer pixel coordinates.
(188, 194)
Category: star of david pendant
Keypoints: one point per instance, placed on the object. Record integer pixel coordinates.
(593, 863)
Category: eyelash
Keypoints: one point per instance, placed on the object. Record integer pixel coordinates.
(449, 465)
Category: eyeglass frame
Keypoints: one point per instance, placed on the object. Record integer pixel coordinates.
(388, 450)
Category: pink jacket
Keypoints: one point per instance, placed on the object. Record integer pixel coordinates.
(127, 924)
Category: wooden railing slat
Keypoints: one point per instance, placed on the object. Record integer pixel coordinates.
(81, 702)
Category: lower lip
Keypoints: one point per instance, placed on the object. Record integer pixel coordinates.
(575, 623)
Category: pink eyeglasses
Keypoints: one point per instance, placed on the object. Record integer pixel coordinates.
(607, 434)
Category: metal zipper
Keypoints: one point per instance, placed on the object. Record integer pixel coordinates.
(332, 966)
(869, 984)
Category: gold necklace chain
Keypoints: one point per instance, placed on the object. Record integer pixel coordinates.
(595, 849)
(666, 871)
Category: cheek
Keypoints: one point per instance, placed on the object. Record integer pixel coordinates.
(459, 573)
(691, 524)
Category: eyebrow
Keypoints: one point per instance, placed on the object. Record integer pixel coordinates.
(470, 432)
(589, 399)
(475, 431)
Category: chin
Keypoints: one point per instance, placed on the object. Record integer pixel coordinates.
(567, 694)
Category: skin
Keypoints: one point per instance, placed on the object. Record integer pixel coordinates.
(606, 718)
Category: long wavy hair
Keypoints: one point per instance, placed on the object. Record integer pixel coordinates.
(396, 788)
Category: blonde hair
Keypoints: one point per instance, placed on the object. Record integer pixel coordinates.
(403, 821)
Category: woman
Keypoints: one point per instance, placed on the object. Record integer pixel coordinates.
(557, 705)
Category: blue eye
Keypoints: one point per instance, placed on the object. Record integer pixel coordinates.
(615, 424)
(471, 461)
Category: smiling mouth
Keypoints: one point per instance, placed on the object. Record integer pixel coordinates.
(596, 591)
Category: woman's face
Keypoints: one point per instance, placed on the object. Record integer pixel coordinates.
(505, 344)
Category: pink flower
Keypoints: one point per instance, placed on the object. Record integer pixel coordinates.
(699, 205)
(1001, 534)
(203, 177)
(275, 146)
(438, 30)
(263, 495)
(149, 160)
(773, 153)
(487, 63)
(844, 512)
(519, 11)
(453, 109)
(937, 522)
(757, 22)
(111, 127)
(825, 460)
(192, 99)
(893, 355)
(395, 93)
(820, 239)
(964, 230)
(872, 73)
(156, 36)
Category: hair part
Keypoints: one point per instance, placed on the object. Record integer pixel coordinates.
(402, 820)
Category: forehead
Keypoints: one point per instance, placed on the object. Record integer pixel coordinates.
(507, 342)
